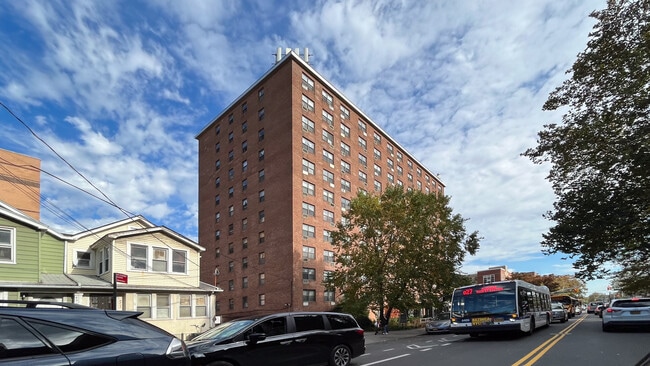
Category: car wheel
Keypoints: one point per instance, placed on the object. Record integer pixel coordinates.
(532, 326)
(340, 356)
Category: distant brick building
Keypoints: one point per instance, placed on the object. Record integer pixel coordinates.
(20, 182)
(493, 274)
(277, 168)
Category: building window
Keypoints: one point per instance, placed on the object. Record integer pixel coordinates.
(328, 216)
(260, 94)
(231, 118)
(217, 217)
(328, 296)
(244, 184)
(217, 129)
(231, 248)
(260, 176)
(144, 305)
(376, 138)
(377, 186)
(399, 156)
(244, 203)
(308, 210)
(327, 236)
(345, 204)
(328, 119)
(244, 282)
(308, 189)
(345, 167)
(362, 160)
(244, 243)
(307, 83)
(328, 157)
(308, 231)
(244, 126)
(377, 171)
(262, 299)
(261, 216)
(307, 104)
(244, 146)
(308, 167)
(409, 176)
(261, 196)
(261, 237)
(231, 136)
(345, 113)
(399, 170)
(231, 211)
(231, 266)
(260, 114)
(217, 234)
(389, 147)
(345, 185)
(488, 278)
(362, 143)
(307, 125)
(244, 224)
(262, 258)
(328, 256)
(244, 263)
(82, 259)
(231, 174)
(327, 98)
(217, 182)
(328, 177)
(362, 127)
(231, 155)
(328, 197)
(138, 257)
(345, 149)
(217, 165)
(345, 131)
(308, 274)
(363, 177)
(185, 306)
(308, 296)
(262, 279)
(217, 147)
(308, 253)
(104, 255)
(327, 275)
(231, 304)
(308, 146)
(377, 154)
(260, 135)
(244, 302)
(389, 162)
(244, 165)
(231, 192)
(260, 155)
(410, 164)
(328, 137)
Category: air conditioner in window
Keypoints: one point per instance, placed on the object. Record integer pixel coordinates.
(305, 282)
(305, 303)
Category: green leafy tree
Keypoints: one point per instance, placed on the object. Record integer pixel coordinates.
(549, 281)
(399, 250)
(600, 153)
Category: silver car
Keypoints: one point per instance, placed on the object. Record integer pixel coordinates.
(559, 312)
(626, 313)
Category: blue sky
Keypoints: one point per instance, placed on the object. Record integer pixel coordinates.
(119, 89)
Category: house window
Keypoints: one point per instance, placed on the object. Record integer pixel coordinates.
(308, 274)
(307, 125)
(328, 177)
(82, 259)
(185, 306)
(327, 118)
(144, 305)
(159, 260)
(179, 261)
(103, 260)
(200, 305)
(163, 309)
(345, 130)
(308, 167)
(308, 188)
(308, 296)
(307, 104)
(138, 257)
(308, 210)
(308, 253)
(307, 83)
(345, 149)
(328, 296)
(308, 146)
(328, 157)
(308, 231)
(262, 299)
(328, 137)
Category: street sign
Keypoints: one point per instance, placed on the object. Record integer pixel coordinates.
(121, 278)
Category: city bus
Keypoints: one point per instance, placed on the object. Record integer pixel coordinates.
(500, 307)
(569, 303)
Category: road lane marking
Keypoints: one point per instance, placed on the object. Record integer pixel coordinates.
(538, 352)
(386, 360)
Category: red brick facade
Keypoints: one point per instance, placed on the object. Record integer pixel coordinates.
(292, 257)
(20, 182)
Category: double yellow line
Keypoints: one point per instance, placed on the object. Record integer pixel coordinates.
(538, 352)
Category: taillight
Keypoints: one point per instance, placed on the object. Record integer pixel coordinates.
(359, 332)
(610, 310)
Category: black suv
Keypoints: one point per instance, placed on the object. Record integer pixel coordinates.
(302, 338)
(55, 334)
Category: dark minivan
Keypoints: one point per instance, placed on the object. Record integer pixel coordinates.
(301, 338)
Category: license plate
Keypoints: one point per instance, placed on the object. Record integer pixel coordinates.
(481, 321)
(635, 312)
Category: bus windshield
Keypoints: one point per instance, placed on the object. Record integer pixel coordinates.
(485, 299)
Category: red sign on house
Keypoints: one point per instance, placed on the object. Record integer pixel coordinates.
(121, 278)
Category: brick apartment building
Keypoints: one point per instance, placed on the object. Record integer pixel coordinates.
(277, 168)
(20, 182)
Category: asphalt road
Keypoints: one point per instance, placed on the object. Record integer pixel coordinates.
(577, 342)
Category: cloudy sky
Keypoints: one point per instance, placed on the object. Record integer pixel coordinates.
(119, 90)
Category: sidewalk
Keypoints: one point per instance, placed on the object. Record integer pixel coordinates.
(371, 337)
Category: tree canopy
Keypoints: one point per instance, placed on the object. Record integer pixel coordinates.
(400, 250)
(600, 153)
(557, 284)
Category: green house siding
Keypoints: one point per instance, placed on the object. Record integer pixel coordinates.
(36, 252)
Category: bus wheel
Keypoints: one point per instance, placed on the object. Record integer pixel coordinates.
(473, 335)
(532, 326)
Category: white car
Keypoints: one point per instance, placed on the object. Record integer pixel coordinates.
(627, 313)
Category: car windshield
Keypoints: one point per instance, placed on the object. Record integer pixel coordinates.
(557, 306)
(442, 316)
(633, 303)
(223, 331)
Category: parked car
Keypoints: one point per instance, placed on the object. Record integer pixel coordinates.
(54, 333)
(627, 313)
(591, 308)
(559, 312)
(439, 324)
(301, 338)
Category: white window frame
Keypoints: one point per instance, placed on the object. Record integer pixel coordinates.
(91, 259)
(10, 244)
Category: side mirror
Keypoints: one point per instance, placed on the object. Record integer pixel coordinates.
(253, 338)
